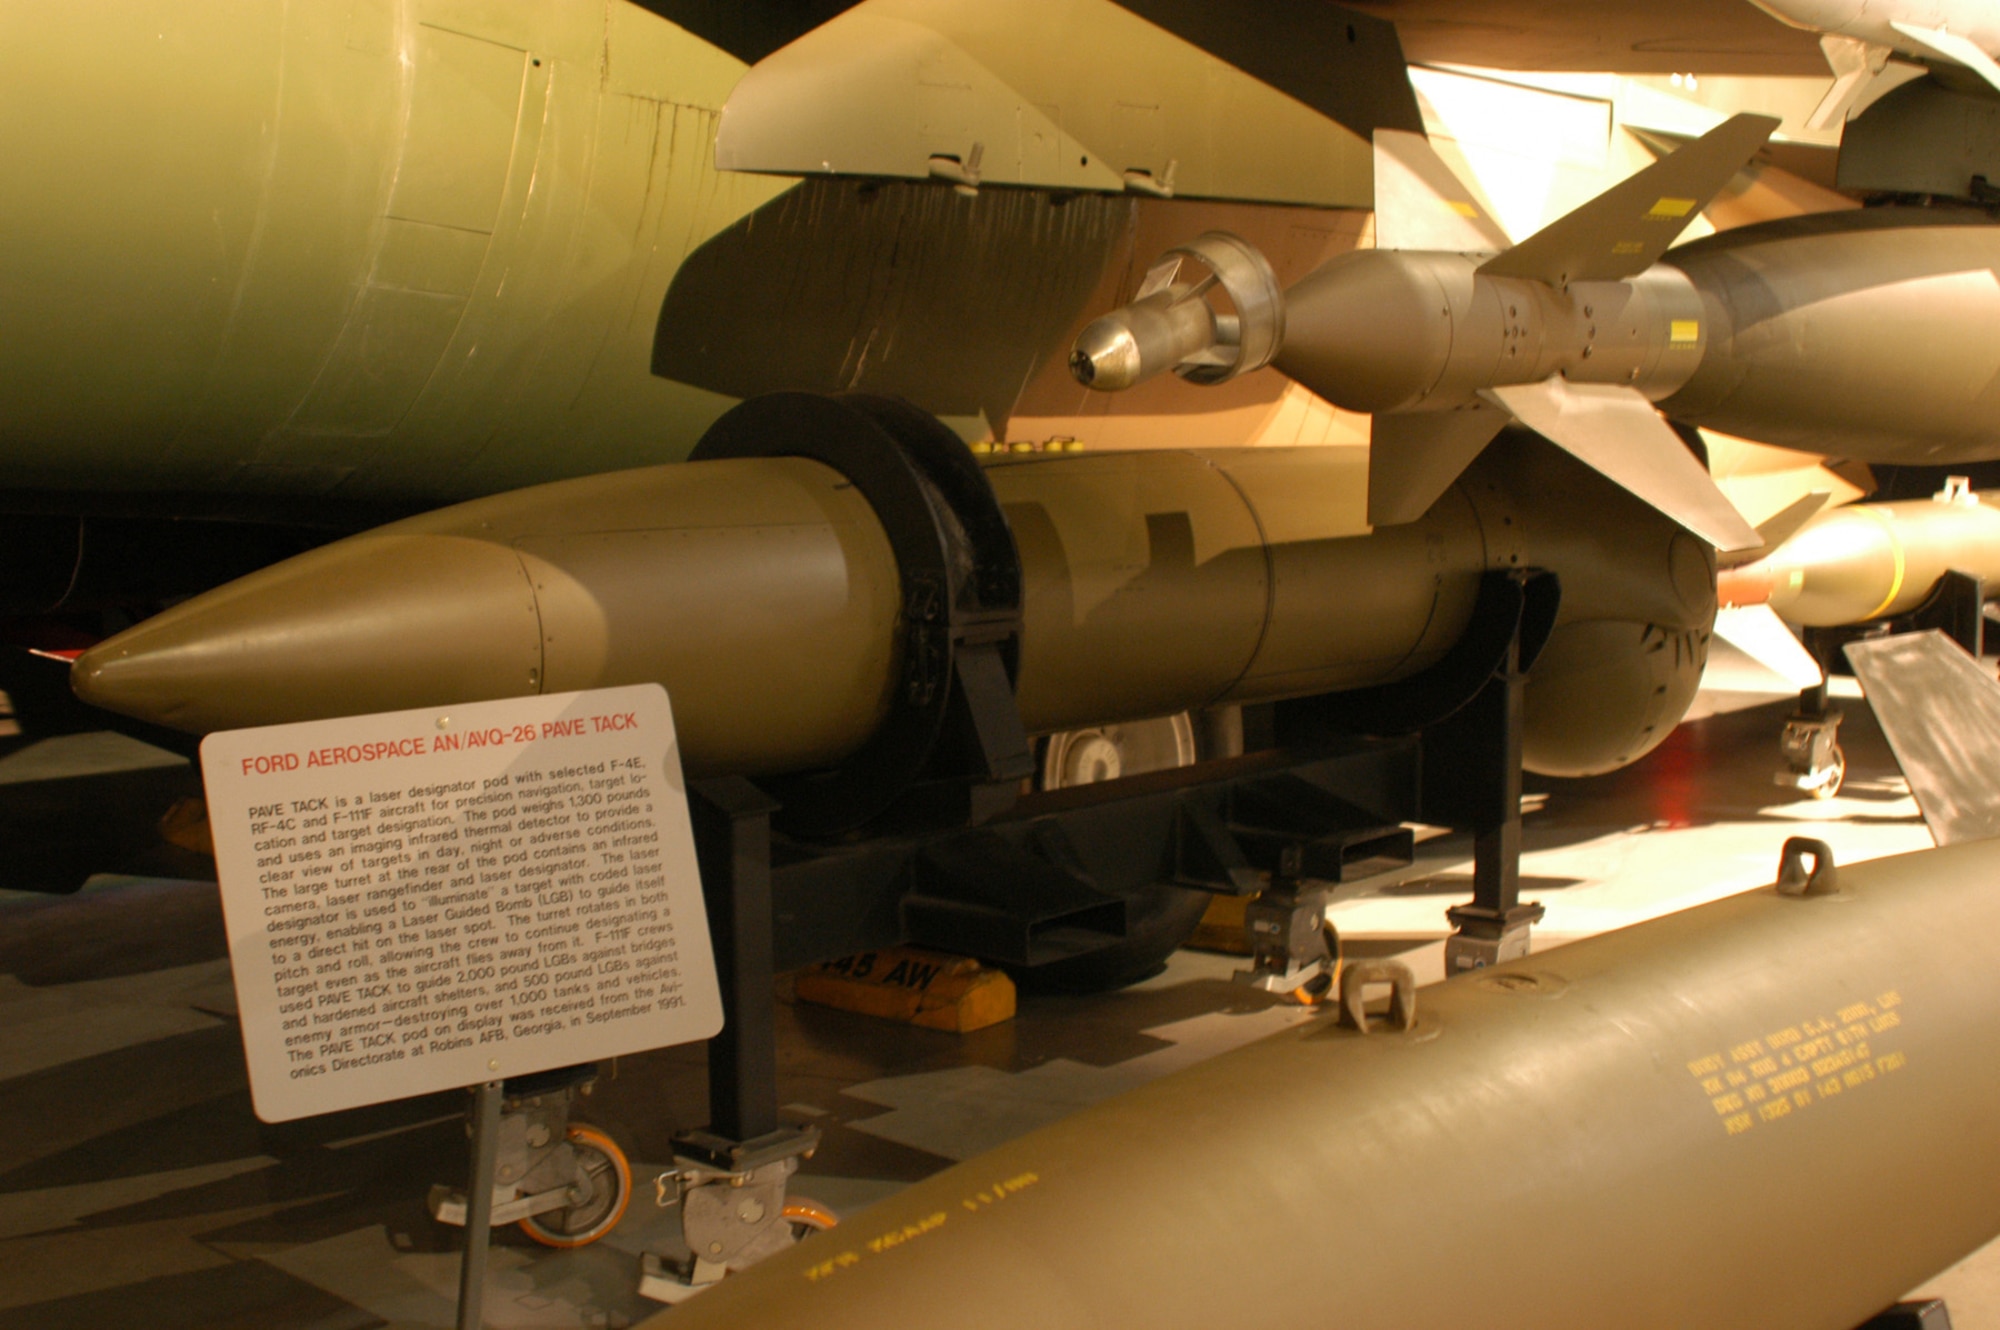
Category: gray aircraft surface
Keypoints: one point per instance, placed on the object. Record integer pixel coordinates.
(1860, 39)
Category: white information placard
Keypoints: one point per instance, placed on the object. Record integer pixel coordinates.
(425, 899)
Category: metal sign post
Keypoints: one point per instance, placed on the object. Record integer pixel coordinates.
(427, 899)
(479, 1205)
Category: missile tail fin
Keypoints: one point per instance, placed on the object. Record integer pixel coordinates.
(1778, 528)
(1421, 203)
(1414, 458)
(1892, 76)
(1940, 711)
(1855, 64)
(1624, 231)
(1758, 632)
(1863, 74)
(1951, 46)
(1616, 431)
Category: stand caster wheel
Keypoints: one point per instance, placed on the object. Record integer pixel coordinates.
(609, 1177)
(808, 1217)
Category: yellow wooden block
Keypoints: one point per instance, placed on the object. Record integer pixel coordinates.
(915, 987)
(1221, 927)
(186, 825)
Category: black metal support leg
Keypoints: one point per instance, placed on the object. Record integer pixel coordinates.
(732, 833)
(1473, 777)
(1956, 607)
(1496, 846)
(1927, 1315)
(1824, 648)
(743, 1152)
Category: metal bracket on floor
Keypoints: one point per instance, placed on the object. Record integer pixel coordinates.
(1355, 982)
(1929, 1314)
(1815, 764)
(733, 1207)
(730, 1179)
(1293, 948)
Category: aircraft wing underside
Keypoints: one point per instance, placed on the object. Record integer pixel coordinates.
(1617, 36)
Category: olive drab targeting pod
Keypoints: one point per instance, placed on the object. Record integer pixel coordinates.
(767, 595)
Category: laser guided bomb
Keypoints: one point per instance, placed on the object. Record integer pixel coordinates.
(791, 603)
(1871, 560)
(1668, 1125)
(1894, 564)
(1864, 334)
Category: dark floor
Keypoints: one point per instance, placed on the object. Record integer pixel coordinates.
(137, 1187)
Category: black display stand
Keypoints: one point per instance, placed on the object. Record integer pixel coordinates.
(925, 834)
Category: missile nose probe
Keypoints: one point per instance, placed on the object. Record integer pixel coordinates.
(1209, 311)
(1107, 352)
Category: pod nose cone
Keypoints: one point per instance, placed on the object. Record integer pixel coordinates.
(112, 677)
(374, 623)
(1107, 355)
(183, 669)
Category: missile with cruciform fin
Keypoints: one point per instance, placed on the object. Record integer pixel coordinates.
(1447, 333)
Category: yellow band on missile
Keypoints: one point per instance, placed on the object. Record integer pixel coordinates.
(1666, 209)
(1682, 331)
(1896, 550)
(1462, 208)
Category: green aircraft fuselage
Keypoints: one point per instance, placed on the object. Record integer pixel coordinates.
(391, 253)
